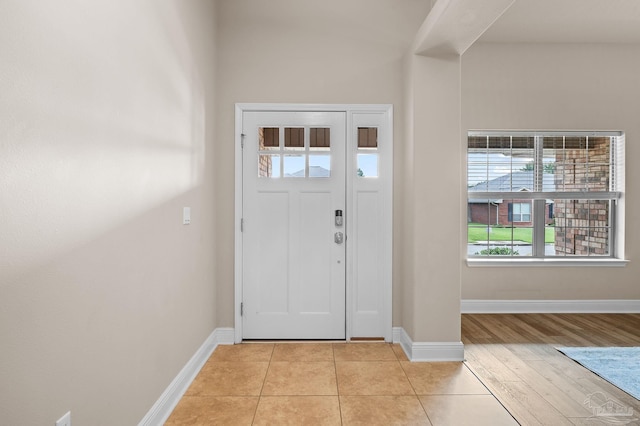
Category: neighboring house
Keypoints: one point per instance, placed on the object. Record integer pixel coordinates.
(314, 171)
(509, 212)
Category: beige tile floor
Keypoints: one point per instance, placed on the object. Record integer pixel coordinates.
(333, 384)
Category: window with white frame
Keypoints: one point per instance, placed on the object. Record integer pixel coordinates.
(520, 212)
(544, 194)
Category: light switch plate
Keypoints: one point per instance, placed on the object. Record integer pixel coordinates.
(186, 215)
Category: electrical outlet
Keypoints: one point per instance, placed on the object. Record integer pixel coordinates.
(64, 420)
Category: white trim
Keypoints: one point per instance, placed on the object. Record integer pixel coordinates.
(349, 109)
(388, 221)
(244, 107)
(546, 262)
(543, 195)
(400, 336)
(397, 333)
(548, 133)
(549, 306)
(428, 351)
(236, 219)
(163, 407)
(348, 161)
(224, 336)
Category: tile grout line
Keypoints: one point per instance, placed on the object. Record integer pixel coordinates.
(335, 370)
(414, 391)
(410, 383)
(425, 411)
(264, 380)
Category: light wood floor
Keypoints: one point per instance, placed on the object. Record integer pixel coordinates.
(515, 358)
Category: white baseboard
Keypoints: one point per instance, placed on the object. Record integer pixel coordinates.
(397, 333)
(549, 306)
(428, 351)
(163, 407)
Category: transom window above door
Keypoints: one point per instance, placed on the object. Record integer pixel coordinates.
(294, 152)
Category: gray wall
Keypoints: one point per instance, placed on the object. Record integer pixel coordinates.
(116, 114)
(566, 87)
(106, 132)
(306, 52)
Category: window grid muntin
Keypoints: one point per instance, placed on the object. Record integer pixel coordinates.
(508, 245)
(288, 147)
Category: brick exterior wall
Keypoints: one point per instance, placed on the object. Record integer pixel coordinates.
(479, 213)
(264, 166)
(268, 137)
(582, 225)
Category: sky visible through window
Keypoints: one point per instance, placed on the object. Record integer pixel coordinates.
(294, 164)
(368, 163)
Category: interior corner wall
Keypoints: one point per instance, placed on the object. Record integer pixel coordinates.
(106, 133)
(557, 87)
(290, 51)
(433, 304)
(405, 217)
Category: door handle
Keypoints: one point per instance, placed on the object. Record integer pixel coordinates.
(338, 237)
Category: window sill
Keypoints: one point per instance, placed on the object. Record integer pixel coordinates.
(547, 262)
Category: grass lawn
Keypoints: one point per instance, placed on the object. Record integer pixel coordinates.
(478, 232)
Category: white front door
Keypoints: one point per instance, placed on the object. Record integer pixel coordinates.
(293, 248)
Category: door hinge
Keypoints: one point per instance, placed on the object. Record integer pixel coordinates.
(241, 308)
(242, 135)
(241, 225)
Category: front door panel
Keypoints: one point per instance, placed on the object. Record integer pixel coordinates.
(293, 258)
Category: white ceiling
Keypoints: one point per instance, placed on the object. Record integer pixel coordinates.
(567, 21)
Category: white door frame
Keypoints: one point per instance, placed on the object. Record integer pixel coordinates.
(350, 110)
